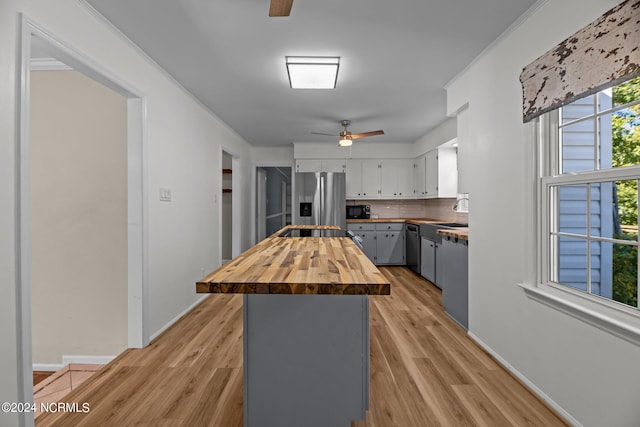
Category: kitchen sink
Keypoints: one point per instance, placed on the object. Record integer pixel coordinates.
(430, 230)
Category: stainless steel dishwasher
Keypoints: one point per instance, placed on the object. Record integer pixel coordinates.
(413, 247)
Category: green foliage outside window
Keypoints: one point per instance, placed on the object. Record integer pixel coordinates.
(626, 152)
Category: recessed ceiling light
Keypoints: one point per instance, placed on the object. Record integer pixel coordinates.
(312, 72)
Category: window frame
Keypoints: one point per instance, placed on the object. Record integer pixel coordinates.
(615, 317)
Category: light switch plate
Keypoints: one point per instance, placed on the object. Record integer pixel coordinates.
(165, 195)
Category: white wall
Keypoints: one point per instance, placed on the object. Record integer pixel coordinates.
(590, 374)
(444, 132)
(272, 156)
(79, 217)
(182, 148)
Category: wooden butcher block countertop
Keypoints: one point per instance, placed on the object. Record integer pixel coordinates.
(416, 221)
(298, 265)
(459, 232)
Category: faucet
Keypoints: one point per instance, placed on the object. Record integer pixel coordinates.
(455, 206)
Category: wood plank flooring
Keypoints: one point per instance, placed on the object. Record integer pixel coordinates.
(425, 371)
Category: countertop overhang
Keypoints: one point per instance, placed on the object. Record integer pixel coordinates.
(298, 265)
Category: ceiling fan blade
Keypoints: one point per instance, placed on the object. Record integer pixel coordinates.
(280, 7)
(327, 134)
(366, 134)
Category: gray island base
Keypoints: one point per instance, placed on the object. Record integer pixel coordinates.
(306, 360)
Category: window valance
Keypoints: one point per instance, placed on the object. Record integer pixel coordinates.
(603, 53)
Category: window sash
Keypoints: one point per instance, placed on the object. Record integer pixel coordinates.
(550, 180)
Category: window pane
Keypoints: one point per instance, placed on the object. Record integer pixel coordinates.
(626, 92)
(596, 134)
(578, 146)
(625, 274)
(572, 212)
(577, 109)
(572, 262)
(601, 209)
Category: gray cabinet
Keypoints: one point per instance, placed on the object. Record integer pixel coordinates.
(454, 279)
(431, 263)
(367, 232)
(390, 243)
(306, 359)
(383, 243)
(428, 260)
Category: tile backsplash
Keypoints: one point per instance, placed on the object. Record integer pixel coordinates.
(431, 208)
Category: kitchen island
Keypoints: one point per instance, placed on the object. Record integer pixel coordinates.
(306, 328)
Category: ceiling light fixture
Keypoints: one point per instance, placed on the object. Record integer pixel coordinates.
(312, 72)
(345, 140)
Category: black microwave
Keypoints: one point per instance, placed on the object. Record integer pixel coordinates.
(358, 211)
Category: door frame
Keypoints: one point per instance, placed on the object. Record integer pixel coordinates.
(236, 197)
(137, 299)
(254, 190)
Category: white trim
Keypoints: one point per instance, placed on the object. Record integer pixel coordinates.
(48, 64)
(237, 194)
(178, 317)
(535, 389)
(67, 360)
(621, 328)
(48, 367)
(89, 360)
(136, 169)
(30, 32)
(23, 228)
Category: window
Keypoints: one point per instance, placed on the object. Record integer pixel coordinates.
(589, 196)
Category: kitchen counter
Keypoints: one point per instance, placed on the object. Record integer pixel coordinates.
(305, 328)
(298, 265)
(459, 232)
(416, 221)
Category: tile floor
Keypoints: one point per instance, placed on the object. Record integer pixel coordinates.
(62, 382)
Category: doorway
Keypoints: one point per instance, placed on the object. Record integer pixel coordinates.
(230, 199)
(273, 199)
(35, 39)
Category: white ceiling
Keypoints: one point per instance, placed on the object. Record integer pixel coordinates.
(396, 56)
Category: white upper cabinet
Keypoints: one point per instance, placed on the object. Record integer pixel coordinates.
(419, 176)
(354, 179)
(330, 165)
(436, 174)
(396, 178)
(333, 165)
(432, 168)
(363, 179)
(370, 178)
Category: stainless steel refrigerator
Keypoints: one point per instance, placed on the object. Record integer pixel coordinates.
(320, 199)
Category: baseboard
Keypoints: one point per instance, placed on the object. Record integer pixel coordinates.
(175, 319)
(89, 360)
(67, 360)
(47, 367)
(571, 420)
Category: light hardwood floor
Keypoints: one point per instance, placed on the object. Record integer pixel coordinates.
(425, 371)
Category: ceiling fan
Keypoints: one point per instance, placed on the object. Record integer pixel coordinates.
(346, 137)
(280, 7)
